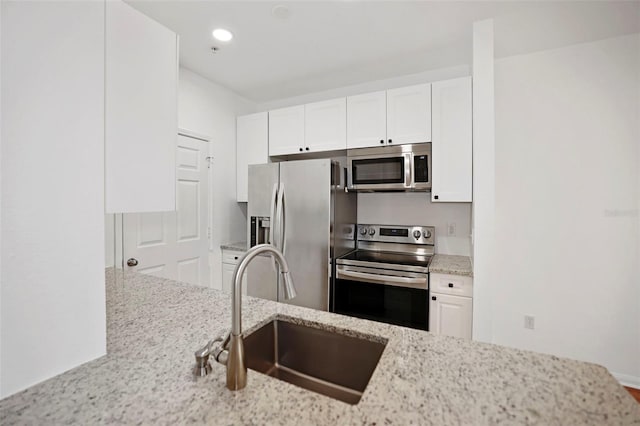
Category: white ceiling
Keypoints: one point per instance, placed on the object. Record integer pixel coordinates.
(329, 44)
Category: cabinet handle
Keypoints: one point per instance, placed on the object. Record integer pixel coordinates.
(450, 284)
(435, 197)
(433, 298)
(381, 140)
(235, 257)
(300, 149)
(390, 141)
(307, 148)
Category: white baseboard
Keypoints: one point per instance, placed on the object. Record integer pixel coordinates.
(627, 380)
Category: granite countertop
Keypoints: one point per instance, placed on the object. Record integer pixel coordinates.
(450, 264)
(238, 246)
(155, 325)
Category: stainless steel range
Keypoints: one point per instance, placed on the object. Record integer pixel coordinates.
(387, 277)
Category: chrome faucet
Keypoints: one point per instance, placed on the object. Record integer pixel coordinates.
(231, 351)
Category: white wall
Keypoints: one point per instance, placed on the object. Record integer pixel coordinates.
(52, 280)
(416, 208)
(113, 240)
(209, 109)
(110, 240)
(483, 212)
(567, 191)
(371, 86)
(1, 67)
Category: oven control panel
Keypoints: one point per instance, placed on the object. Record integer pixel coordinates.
(414, 234)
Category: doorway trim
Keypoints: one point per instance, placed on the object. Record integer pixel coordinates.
(191, 134)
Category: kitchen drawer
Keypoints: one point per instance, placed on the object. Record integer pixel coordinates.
(456, 285)
(231, 256)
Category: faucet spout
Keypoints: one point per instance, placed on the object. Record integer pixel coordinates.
(236, 364)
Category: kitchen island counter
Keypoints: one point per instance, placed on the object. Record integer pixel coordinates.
(155, 325)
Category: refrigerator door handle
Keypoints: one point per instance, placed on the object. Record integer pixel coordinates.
(279, 220)
(283, 220)
(273, 231)
(277, 239)
(272, 212)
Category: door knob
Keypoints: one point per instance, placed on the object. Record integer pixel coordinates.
(132, 262)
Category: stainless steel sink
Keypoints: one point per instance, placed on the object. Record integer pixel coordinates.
(326, 362)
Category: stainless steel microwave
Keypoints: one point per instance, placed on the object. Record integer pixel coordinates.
(390, 168)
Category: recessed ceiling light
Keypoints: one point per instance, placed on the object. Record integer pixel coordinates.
(221, 34)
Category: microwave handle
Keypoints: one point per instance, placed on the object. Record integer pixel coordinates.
(408, 170)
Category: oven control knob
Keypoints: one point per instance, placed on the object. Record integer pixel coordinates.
(363, 231)
(372, 232)
(426, 234)
(417, 234)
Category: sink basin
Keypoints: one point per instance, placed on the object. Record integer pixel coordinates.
(327, 362)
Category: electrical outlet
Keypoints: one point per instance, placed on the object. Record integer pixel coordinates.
(529, 322)
(451, 229)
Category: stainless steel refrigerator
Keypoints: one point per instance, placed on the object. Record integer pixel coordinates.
(302, 208)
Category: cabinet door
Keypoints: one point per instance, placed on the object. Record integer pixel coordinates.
(227, 276)
(230, 259)
(452, 141)
(450, 315)
(325, 125)
(141, 112)
(252, 147)
(286, 130)
(367, 120)
(409, 114)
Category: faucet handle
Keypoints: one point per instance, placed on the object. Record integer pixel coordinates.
(220, 352)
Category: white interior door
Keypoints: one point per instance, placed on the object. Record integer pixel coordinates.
(174, 245)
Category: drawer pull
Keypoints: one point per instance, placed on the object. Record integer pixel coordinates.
(450, 284)
(235, 257)
(433, 298)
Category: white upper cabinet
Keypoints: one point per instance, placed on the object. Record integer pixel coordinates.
(394, 117)
(452, 141)
(367, 120)
(325, 125)
(315, 127)
(409, 114)
(286, 130)
(252, 142)
(141, 112)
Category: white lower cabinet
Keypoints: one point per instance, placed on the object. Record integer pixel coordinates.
(230, 259)
(450, 313)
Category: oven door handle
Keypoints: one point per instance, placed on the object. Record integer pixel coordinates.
(421, 282)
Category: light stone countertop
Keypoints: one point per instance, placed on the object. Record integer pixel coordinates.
(238, 246)
(155, 325)
(450, 264)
